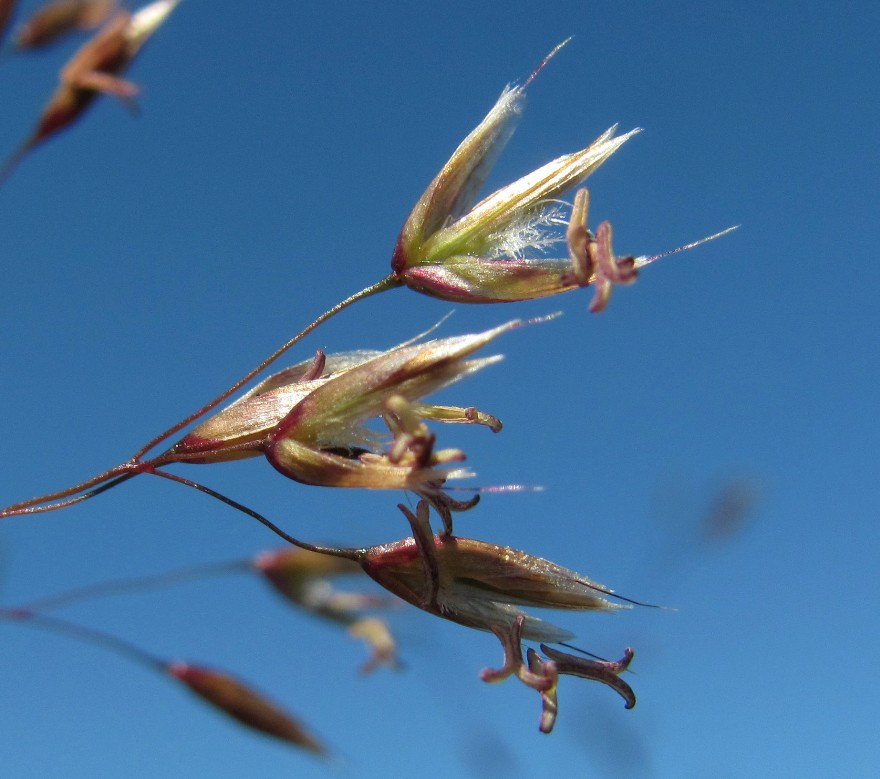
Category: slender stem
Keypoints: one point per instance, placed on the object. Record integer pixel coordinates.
(30, 507)
(348, 554)
(136, 465)
(136, 583)
(386, 283)
(89, 635)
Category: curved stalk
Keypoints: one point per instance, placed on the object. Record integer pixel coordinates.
(348, 554)
(89, 635)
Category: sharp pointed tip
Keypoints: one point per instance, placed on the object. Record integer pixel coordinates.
(641, 262)
(544, 62)
(13, 162)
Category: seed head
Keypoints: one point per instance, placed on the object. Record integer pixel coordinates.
(456, 250)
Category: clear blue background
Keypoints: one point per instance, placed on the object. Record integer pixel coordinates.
(149, 262)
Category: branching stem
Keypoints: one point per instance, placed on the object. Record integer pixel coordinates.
(136, 465)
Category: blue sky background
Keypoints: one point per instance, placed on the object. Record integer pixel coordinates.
(149, 262)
